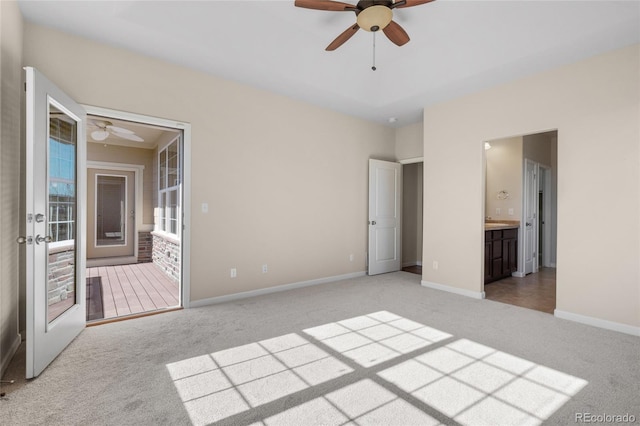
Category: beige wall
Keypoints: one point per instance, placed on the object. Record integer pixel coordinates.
(538, 147)
(595, 105)
(286, 182)
(412, 181)
(409, 141)
(504, 173)
(10, 113)
(126, 155)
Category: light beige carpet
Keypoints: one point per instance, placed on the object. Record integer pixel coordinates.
(371, 350)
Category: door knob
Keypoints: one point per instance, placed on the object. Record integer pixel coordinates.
(41, 239)
(24, 240)
(528, 223)
(372, 222)
(40, 218)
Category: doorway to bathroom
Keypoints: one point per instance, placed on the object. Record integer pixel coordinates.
(520, 220)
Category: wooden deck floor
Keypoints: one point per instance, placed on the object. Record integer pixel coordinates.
(135, 289)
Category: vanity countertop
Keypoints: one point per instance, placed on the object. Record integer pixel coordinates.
(490, 225)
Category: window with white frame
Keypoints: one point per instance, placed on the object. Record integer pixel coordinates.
(62, 179)
(169, 185)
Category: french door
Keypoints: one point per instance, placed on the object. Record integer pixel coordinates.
(55, 220)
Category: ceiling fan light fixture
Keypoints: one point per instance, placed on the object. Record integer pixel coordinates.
(99, 135)
(374, 18)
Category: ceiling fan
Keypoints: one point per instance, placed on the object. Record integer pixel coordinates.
(105, 128)
(371, 15)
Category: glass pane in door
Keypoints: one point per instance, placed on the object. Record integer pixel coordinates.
(62, 207)
(172, 165)
(111, 208)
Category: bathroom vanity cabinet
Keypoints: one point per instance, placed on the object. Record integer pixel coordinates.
(500, 253)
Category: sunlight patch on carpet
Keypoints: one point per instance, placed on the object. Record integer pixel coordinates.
(222, 384)
(375, 338)
(462, 380)
(478, 385)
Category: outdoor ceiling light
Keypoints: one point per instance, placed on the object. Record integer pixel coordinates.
(99, 135)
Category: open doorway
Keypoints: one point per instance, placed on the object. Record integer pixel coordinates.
(134, 217)
(520, 220)
(412, 205)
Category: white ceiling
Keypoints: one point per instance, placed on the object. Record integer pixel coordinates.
(456, 47)
(150, 134)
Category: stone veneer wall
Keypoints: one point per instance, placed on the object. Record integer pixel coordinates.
(61, 284)
(166, 254)
(145, 247)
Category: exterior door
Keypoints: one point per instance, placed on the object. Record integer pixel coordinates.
(110, 213)
(385, 203)
(530, 217)
(55, 200)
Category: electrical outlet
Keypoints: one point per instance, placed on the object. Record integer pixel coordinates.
(351, 257)
(264, 268)
(205, 208)
(435, 264)
(498, 211)
(234, 273)
(510, 212)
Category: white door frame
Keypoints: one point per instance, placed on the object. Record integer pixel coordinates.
(138, 191)
(545, 186)
(526, 199)
(185, 243)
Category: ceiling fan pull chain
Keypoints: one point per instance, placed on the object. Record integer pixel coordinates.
(373, 67)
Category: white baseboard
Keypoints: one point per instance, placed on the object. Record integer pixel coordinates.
(269, 290)
(412, 263)
(518, 274)
(552, 265)
(597, 322)
(419, 263)
(8, 355)
(455, 290)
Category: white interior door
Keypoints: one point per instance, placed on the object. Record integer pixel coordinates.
(385, 203)
(530, 217)
(55, 206)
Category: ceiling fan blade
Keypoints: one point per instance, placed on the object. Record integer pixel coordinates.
(120, 130)
(396, 33)
(98, 123)
(409, 3)
(342, 38)
(131, 137)
(334, 6)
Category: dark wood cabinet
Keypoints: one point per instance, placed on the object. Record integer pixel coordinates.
(500, 253)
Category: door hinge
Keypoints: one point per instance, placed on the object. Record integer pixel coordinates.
(25, 86)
